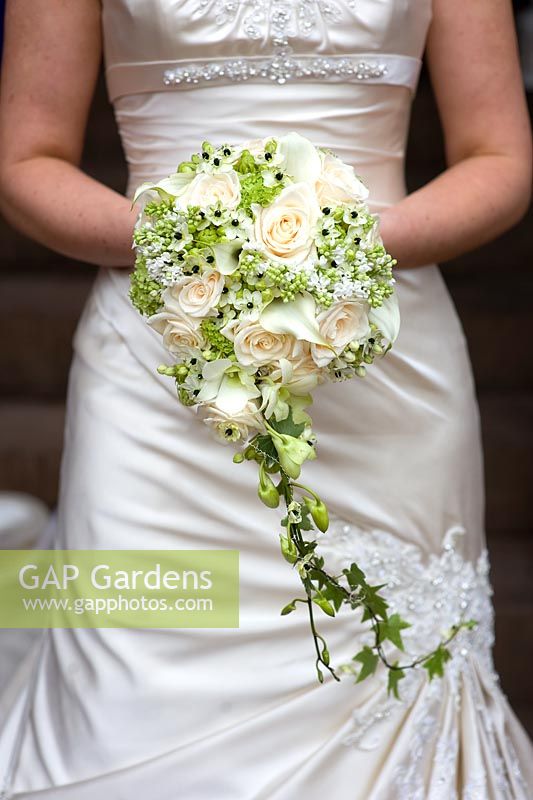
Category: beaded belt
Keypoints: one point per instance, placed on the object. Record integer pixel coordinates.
(160, 76)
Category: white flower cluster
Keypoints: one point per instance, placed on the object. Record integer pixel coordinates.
(263, 270)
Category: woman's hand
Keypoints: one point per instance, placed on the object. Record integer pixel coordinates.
(474, 66)
(51, 61)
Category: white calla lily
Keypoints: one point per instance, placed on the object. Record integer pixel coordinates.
(387, 318)
(301, 159)
(297, 318)
(227, 256)
(168, 188)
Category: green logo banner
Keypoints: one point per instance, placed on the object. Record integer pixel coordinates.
(119, 589)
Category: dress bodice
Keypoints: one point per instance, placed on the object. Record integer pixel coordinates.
(341, 72)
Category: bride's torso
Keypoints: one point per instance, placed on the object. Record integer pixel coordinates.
(342, 72)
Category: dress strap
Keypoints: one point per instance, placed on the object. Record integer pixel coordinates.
(159, 76)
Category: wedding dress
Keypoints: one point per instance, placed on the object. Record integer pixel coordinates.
(237, 714)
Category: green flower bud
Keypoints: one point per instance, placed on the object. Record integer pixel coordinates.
(268, 494)
(288, 549)
(291, 452)
(319, 512)
(238, 458)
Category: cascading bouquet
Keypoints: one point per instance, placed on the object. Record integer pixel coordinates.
(263, 270)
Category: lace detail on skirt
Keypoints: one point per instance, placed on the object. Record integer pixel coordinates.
(432, 593)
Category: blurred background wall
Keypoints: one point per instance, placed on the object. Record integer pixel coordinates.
(42, 294)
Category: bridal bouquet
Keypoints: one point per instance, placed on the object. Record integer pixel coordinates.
(263, 270)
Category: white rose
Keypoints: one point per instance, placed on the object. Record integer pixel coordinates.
(207, 189)
(197, 295)
(181, 335)
(300, 375)
(338, 184)
(342, 323)
(285, 229)
(254, 345)
(235, 426)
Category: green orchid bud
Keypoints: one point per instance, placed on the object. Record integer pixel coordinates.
(291, 452)
(319, 512)
(238, 458)
(268, 494)
(289, 550)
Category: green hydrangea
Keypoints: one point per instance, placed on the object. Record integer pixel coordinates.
(253, 190)
(145, 292)
(222, 346)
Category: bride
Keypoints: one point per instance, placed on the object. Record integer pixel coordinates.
(237, 714)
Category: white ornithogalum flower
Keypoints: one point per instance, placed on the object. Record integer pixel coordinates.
(239, 227)
(249, 304)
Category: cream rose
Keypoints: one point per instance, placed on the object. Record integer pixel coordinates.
(338, 183)
(181, 335)
(300, 375)
(235, 426)
(254, 345)
(197, 295)
(285, 229)
(207, 189)
(340, 324)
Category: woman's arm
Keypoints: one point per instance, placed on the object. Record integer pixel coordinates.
(51, 61)
(474, 67)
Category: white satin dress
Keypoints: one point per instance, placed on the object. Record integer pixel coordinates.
(237, 714)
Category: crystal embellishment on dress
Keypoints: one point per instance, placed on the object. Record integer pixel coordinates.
(279, 69)
(433, 593)
(275, 20)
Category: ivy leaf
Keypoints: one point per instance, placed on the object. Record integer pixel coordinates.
(395, 676)
(334, 594)
(288, 426)
(391, 629)
(369, 661)
(436, 662)
(354, 576)
(305, 524)
(265, 445)
(324, 604)
(376, 604)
